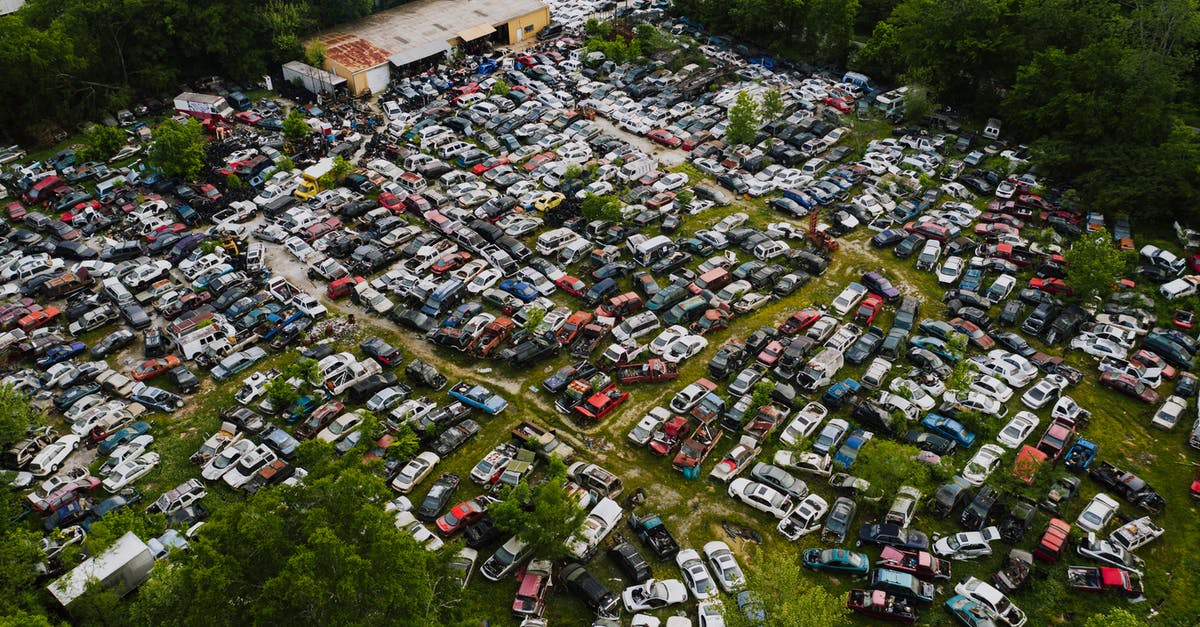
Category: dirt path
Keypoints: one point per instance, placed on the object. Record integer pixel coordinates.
(667, 157)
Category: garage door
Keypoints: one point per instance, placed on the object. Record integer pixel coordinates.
(377, 79)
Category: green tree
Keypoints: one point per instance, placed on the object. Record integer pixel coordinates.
(20, 554)
(281, 393)
(341, 168)
(405, 444)
(760, 396)
(17, 416)
(501, 87)
(962, 370)
(917, 104)
(314, 54)
(1094, 265)
(544, 515)
(177, 149)
(285, 164)
(888, 464)
(324, 552)
(772, 105)
(102, 142)
(534, 318)
(596, 207)
(233, 181)
(1115, 617)
(787, 594)
(295, 127)
(106, 531)
(743, 120)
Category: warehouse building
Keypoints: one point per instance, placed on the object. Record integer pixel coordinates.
(363, 52)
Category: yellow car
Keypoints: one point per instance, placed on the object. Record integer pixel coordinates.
(548, 201)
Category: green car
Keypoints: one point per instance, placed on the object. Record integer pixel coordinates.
(837, 560)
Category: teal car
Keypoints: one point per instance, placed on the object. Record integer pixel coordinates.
(836, 560)
(969, 612)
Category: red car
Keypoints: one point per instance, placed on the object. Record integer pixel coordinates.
(799, 321)
(380, 448)
(712, 320)
(450, 263)
(1054, 441)
(1051, 286)
(660, 200)
(1000, 218)
(16, 210)
(1129, 386)
(664, 138)
(210, 192)
(391, 202)
(460, 516)
(995, 227)
(571, 285)
(870, 307)
(1196, 486)
(837, 103)
(164, 230)
(602, 403)
(770, 353)
(247, 117)
(488, 164)
(538, 160)
(153, 367)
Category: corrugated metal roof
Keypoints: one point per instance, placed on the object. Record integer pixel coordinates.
(353, 52)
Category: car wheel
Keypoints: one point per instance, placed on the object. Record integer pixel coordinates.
(54, 468)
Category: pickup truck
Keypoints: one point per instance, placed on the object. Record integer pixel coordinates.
(654, 534)
(652, 371)
(1101, 578)
(1080, 455)
(478, 397)
(492, 336)
(696, 448)
(1128, 486)
(601, 403)
(542, 441)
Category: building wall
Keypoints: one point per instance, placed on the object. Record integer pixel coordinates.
(360, 82)
(517, 27)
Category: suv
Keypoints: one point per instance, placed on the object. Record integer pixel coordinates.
(590, 590)
(422, 373)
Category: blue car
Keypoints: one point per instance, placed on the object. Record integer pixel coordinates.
(839, 393)
(462, 313)
(478, 397)
(972, 280)
(61, 353)
(520, 289)
(933, 345)
(969, 612)
(849, 450)
(837, 560)
(949, 428)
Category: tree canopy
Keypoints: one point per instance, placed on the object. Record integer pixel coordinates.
(178, 149)
(743, 119)
(787, 595)
(1094, 265)
(543, 515)
(102, 142)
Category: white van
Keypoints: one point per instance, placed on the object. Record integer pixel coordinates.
(770, 249)
(574, 251)
(431, 134)
(637, 169)
(207, 339)
(992, 129)
(1180, 288)
(554, 240)
(820, 370)
(653, 249)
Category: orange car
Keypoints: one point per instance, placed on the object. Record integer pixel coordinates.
(153, 367)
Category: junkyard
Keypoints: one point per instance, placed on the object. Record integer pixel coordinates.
(856, 344)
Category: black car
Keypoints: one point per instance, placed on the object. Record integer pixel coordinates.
(438, 497)
(631, 562)
(153, 343)
(451, 338)
(966, 298)
(728, 360)
(590, 590)
(865, 345)
(928, 361)
(422, 373)
(931, 442)
(451, 439)
(187, 516)
(759, 339)
(908, 246)
(948, 496)
(889, 237)
(887, 534)
(1012, 310)
(185, 380)
(481, 533)
(981, 510)
(1018, 520)
(156, 398)
(68, 397)
(1013, 342)
(380, 351)
(244, 418)
(112, 343)
(414, 319)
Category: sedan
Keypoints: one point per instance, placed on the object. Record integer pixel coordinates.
(414, 471)
(836, 561)
(849, 297)
(1045, 392)
(831, 435)
(1018, 429)
(985, 461)
(760, 496)
(697, 578)
(666, 338)
(779, 479)
(684, 348)
(1129, 386)
(654, 594)
(888, 534)
(129, 471)
(648, 425)
(950, 270)
(805, 518)
(722, 562)
(438, 497)
(837, 524)
(966, 545)
(1098, 347)
(1097, 513)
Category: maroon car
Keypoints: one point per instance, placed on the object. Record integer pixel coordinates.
(1129, 386)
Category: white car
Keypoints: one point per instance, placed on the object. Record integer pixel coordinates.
(761, 497)
(641, 433)
(730, 222)
(724, 566)
(684, 348)
(671, 182)
(1019, 371)
(50, 459)
(1098, 347)
(129, 471)
(484, 280)
(225, 461)
(1044, 392)
(1169, 413)
(804, 424)
(992, 600)
(1018, 429)
(820, 465)
(849, 298)
(805, 518)
(687, 398)
(976, 402)
(414, 471)
(985, 461)
(950, 270)
(667, 337)
(915, 393)
(654, 594)
(695, 575)
(340, 427)
(1097, 513)
(406, 522)
(603, 518)
(993, 387)
(966, 545)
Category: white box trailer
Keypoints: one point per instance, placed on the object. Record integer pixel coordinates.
(120, 569)
(203, 106)
(313, 79)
